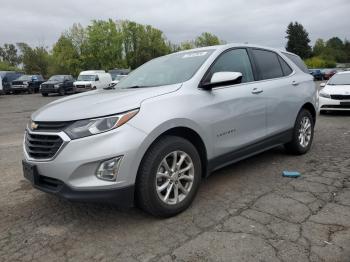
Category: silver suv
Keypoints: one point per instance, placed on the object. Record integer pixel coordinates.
(169, 124)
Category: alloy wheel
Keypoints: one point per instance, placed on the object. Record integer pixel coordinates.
(174, 178)
(305, 131)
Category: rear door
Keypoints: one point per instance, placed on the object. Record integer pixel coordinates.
(276, 77)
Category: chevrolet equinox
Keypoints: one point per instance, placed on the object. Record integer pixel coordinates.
(170, 123)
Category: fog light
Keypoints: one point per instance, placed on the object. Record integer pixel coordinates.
(108, 170)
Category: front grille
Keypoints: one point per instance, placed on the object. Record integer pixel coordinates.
(340, 97)
(56, 126)
(80, 86)
(42, 146)
(47, 86)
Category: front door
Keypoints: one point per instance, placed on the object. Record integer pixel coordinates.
(237, 113)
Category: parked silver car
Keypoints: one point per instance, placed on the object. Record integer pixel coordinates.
(170, 123)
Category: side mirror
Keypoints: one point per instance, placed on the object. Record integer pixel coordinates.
(322, 84)
(96, 78)
(223, 78)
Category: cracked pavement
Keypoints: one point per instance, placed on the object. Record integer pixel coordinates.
(244, 212)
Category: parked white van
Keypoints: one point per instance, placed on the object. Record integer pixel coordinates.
(92, 79)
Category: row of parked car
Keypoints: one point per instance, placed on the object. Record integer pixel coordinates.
(323, 74)
(15, 82)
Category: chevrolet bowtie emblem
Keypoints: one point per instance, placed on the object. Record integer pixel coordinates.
(34, 125)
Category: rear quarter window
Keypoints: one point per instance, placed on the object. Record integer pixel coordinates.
(298, 62)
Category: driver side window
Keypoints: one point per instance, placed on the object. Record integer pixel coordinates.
(235, 60)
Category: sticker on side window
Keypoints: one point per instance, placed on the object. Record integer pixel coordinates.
(194, 54)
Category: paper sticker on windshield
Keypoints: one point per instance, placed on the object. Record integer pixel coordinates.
(194, 54)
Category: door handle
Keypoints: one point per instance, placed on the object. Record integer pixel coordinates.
(257, 91)
(295, 83)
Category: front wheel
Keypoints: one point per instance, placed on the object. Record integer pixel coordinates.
(169, 177)
(303, 133)
(61, 91)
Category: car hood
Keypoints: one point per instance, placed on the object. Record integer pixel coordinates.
(99, 103)
(337, 90)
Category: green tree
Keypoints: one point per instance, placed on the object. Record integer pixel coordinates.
(104, 45)
(298, 40)
(187, 45)
(335, 49)
(35, 60)
(207, 39)
(65, 57)
(4, 66)
(319, 47)
(8, 54)
(319, 62)
(142, 43)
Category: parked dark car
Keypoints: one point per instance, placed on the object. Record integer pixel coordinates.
(6, 80)
(317, 74)
(27, 83)
(61, 84)
(328, 73)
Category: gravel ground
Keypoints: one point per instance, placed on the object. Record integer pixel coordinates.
(244, 212)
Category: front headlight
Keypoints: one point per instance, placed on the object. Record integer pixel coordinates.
(83, 128)
(57, 86)
(323, 94)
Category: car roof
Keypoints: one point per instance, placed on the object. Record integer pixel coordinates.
(232, 45)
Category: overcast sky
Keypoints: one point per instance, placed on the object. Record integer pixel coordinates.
(255, 21)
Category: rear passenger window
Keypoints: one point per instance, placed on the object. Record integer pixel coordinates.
(268, 65)
(298, 62)
(235, 60)
(285, 67)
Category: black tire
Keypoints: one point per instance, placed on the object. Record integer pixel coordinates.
(30, 90)
(44, 94)
(146, 193)
(61, 91)
(294, 146)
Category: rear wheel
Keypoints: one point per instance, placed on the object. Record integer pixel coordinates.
(303, 133)
(44, 94)
(169, 177)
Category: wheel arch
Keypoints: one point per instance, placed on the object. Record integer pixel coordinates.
(190, 135)
(310, 107)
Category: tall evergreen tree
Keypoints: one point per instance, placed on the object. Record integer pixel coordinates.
(298, 40)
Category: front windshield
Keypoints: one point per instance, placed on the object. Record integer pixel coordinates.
(340, 79)
(166, 70)
(56, 78)
(86, 77)
(24, 78)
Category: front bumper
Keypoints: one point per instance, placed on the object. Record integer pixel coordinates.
(48, 90)
(75, 163)
(122, 196)
(18, 88)
(329, 104)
